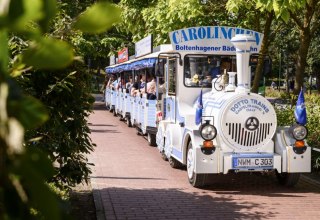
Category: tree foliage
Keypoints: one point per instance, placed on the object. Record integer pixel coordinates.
(277, 19)
(162, 16)
(35, 134)
(305, 14)
(261, 11)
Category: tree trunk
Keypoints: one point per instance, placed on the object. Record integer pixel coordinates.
(264, 48)
(287, 78)
(305, 39)
(318, 82)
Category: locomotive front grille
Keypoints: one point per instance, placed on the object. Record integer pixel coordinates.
(240, 135)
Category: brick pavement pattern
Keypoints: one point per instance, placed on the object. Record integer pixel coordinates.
(135, 183)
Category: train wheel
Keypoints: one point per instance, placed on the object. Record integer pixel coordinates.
(288, 179)
(195, 179)
(163, 156)
(152, 140)
(138, 131)
(128, 122)
(114, 113)
(174, 163)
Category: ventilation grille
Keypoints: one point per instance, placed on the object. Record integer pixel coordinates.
(240, 135)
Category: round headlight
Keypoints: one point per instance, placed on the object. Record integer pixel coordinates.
(208, 132)
(299, 132)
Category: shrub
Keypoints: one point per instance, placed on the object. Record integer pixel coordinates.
(285, 116)
(65, 136)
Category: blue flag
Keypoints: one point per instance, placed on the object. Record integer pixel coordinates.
(300, 112)
(199, 109)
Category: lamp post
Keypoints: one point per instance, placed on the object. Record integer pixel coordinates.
(279, 80)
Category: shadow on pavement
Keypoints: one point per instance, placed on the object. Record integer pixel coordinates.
(178, 204)
(98, 106)
(125, 178)
(90, 124)
(104, 131)
(257, 184)
(232, 196)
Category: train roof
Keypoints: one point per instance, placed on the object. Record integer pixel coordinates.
(146, 61)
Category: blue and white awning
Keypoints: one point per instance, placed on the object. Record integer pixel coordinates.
(136, 65)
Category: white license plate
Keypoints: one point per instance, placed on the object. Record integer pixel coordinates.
(252, 162)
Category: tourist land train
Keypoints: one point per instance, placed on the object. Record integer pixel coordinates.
(213, 126)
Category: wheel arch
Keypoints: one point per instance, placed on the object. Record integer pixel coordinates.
(186, 140)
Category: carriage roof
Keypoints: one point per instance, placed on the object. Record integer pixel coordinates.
(146, 61)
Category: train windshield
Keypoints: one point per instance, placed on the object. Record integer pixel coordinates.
(200, 70)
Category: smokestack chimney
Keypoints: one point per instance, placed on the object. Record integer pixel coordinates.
(243, 44)
(232, 81)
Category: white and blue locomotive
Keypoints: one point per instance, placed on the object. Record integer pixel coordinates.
(213, 127)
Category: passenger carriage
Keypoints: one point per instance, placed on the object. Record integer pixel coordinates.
(137, 111)
(215, 125)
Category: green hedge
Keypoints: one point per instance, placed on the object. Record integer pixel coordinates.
(285, 116)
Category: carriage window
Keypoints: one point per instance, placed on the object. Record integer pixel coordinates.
(200, 70)
(172, 76)
(160, 67)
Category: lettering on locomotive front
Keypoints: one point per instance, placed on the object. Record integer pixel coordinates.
(249, 105)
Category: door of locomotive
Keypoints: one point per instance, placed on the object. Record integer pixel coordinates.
(170, 95)
(167, 72)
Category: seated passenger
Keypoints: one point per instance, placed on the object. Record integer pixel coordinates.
(129, 84)
(117, 83)
(103, 88)
(151, 89)
(114, 84)
(215, 72)
(138, 87)
(207, 81)
(111, 79)
(162, 86)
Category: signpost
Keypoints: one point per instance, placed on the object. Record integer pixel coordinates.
(144, 46)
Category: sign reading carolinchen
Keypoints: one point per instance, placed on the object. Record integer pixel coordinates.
(211, 39)
(143, 46)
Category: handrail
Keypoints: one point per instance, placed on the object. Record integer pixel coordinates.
(220, 87)
(167, 54)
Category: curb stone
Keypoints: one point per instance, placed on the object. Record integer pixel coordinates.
(310, 180)
(98, 204)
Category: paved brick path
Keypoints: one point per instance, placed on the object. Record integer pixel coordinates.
(131, 181)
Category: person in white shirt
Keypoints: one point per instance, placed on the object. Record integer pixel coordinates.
(129, 84)
(151, 88)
